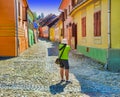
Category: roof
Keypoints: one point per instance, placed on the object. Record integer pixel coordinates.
(51, 23)
(26, 3)
(47, 19)
(64, 4)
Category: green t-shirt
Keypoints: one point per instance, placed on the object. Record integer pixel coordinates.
(65, 53)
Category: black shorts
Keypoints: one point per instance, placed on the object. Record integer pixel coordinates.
(64, 64)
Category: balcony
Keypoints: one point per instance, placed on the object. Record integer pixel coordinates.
(76, 2)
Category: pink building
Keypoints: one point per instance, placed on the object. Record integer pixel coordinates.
(68, 25)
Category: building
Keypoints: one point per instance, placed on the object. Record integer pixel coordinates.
(98, 23)
(30, 19)
(44, 28)
(65, 8)
(13, 27)
(51, 27)
(36, 34)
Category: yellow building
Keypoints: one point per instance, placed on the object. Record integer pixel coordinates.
(60, 31)
(57, 32)
(52, 33)
(98, 23)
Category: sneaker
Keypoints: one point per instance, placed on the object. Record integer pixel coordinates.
(68, 82)
(62, 81)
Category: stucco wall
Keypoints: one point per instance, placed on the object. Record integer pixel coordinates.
(90, 39)
(115, 24)
(7, 28)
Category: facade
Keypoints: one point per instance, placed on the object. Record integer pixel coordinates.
(56, 31)
(30, 19)
(98, 30)
(44, 25)
(65, 8)
(35, 28)
(51, 24)
(57, 34)
(114, 40)
(59, 26)
(52, 33)
(13, 27)
(45, 31)
(40, 31)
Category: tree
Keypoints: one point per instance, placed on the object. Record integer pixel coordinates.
(39, 17)
(35, 15)
(42, 15)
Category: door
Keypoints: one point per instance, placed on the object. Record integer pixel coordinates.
(75, 36)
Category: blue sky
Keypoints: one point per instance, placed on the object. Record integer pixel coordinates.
(44, 6)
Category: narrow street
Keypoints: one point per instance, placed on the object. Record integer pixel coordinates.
(34, 74)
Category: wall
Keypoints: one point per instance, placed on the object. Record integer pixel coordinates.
(7, 29)
(52, 33)
(31, 37)
(114, 51)
(94, 47)
(22, 26)
(115, 24)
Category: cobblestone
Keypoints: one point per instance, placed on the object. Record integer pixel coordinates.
(94, 79)
(34, 74)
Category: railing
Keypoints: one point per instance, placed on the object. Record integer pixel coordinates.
(76, 2)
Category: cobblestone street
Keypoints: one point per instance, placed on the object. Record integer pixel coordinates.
(34, 74)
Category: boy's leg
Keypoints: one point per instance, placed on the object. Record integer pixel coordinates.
(67, 74)
(62, 73)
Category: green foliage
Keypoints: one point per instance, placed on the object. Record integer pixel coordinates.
(35, 15)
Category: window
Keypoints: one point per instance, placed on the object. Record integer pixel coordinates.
(65, 13)
(69, 8)
(62, 32)
(18, 8)
(62, 16)
(73, 3)
(24, 11)
(74, 29)
(76, 1)
(83, 23)
(97, 23)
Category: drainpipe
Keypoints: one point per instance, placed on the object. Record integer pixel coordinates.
(109, 32)
(16, 24)
(109, 24)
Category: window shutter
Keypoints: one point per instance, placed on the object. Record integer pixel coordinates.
(97, 23)
(65, 13)
(83, 26)
(72, 3)
(19, 9)
(63, 16)
(24, 11)
(73, 29)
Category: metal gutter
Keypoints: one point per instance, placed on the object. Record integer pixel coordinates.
(109, 32)
(109, 24)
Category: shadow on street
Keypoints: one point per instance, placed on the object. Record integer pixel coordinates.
(6, 58)
(57, 88)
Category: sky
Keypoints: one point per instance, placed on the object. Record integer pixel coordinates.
(44, 6)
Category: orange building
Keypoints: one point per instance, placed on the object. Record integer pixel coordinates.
(13, 27)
